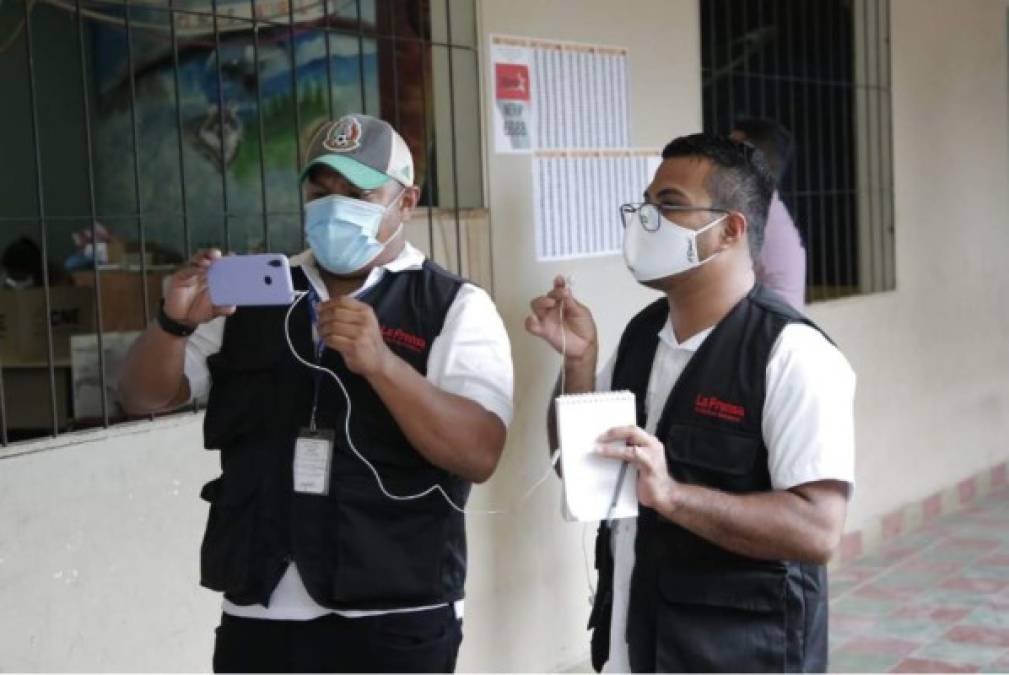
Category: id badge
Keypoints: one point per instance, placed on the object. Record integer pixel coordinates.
(313, 455)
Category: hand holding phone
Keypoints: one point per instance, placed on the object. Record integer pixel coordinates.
(187, 299)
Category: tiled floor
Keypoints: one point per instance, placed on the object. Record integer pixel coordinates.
(935, 600)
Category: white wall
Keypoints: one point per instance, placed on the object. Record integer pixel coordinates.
(99, 553)
(932, 358)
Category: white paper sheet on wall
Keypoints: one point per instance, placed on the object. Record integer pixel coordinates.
(567, 103)
(558, 95)
(577, 196)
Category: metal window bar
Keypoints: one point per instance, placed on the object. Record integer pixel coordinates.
(880, 224)
(428, 159)
(799, 162)
(479, 143)
(186, 236)
(88, 146)
(184, 202)
(850, 209)
(297, 113)
(260, 132)
(393, 18)
(875, 142)
(138, 199)
(867, 141)
(762, 64)
(804, 165)
(776, 40)
(729, 63)
(360, 57)
(825, 281)
(744, 39)
(220, 126)
(712, 80)
(888, 145)
(329, 59)
(455, 147)
(832, 115)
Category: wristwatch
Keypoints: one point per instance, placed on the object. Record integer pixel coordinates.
(170, 325)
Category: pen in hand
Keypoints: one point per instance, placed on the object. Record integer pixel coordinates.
(616, 494)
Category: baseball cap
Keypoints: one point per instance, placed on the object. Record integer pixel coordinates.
(367, 151)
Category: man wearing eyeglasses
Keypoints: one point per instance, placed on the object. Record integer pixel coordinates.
(744, 443)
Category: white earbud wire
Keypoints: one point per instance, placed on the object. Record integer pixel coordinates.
(371, 467)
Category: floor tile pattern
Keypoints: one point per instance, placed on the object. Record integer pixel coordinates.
(934, 600)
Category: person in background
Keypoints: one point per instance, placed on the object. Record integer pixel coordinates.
(320, 567)
(781, 265)
(21, 267)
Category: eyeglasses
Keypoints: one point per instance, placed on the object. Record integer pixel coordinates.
(649, 215)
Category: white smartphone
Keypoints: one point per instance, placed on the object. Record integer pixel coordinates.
(251, 280)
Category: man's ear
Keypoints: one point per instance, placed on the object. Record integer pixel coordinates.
(408, 202)
(736, 228)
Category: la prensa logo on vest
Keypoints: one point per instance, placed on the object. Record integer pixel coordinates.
(400, 338)
(711, 406)
(344, 136)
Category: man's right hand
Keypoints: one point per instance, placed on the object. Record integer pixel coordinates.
(187, 299)
(579, 329)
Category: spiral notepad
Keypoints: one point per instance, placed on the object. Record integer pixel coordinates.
(589, 479)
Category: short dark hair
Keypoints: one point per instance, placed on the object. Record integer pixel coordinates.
(772, 139)
(741, 181)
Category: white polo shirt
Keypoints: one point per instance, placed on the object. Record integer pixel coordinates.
(807, 425)
(471, 357)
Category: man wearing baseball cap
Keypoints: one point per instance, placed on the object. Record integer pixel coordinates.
(326, 559)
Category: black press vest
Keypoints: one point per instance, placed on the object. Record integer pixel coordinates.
(354, 548)
(694, 606)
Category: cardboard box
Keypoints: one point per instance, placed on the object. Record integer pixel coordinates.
(123, 298)
(23, 322)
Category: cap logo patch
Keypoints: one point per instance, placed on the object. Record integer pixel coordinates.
(344, 136)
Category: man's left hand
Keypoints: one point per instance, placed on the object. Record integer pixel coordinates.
(656, 488)
(350, 327)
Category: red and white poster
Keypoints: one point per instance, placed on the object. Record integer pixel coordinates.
(514, 118)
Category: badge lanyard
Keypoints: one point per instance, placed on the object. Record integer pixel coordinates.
(313, 451)
(320, 347)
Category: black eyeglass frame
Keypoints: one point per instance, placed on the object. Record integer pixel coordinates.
(627, 211)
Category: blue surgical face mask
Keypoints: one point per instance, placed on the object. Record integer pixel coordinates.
(343, 232)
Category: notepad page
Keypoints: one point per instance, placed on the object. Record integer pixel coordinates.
(590, 479)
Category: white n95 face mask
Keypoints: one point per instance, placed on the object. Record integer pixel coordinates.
(670, 249)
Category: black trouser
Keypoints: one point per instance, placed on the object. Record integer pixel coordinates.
(410, 642)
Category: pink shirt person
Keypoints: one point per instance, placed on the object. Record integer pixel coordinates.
(781, 265)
